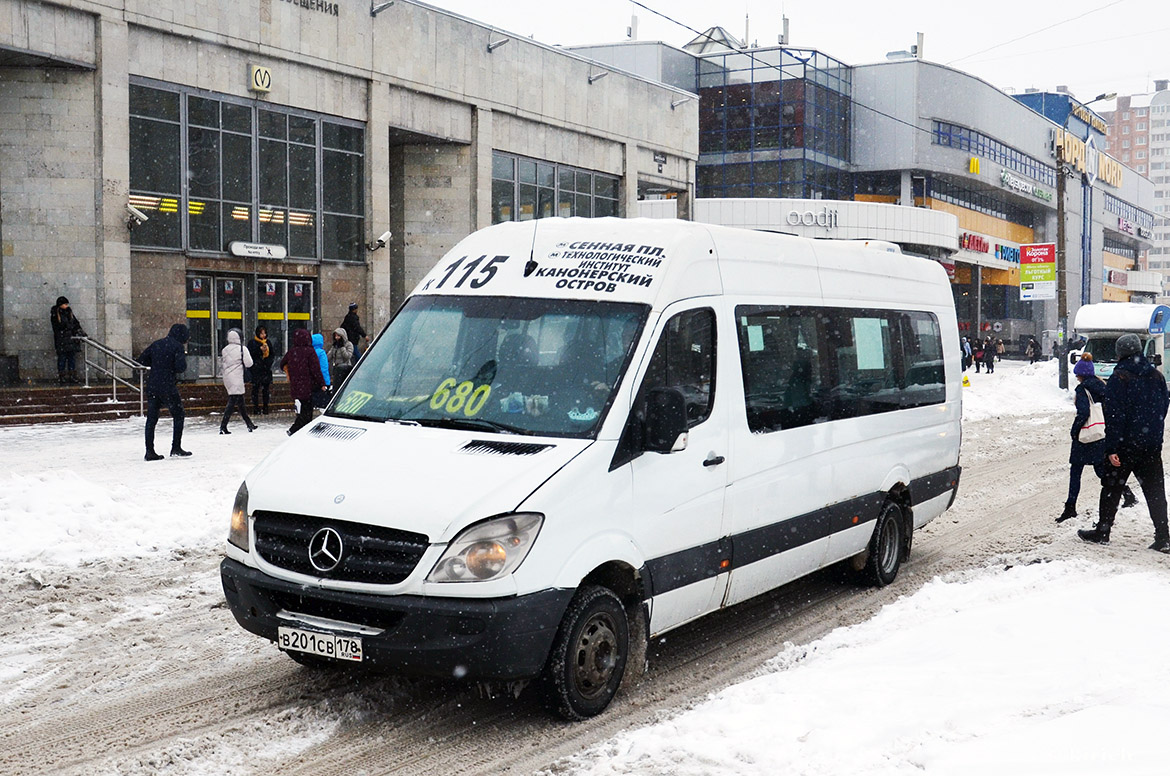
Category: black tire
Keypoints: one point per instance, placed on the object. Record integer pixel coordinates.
(887, 546)
(588, 656)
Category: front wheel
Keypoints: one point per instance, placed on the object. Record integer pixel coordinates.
(588, 656)
(885, 548)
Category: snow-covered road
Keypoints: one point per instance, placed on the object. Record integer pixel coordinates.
(1005, 645)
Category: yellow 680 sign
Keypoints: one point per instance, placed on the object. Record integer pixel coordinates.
(453, 397)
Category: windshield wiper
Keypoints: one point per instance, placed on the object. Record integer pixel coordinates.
(474, 424)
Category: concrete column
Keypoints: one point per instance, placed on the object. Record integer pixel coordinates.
(629, 184)
(380, 289)
(480, 206)
(906, 197)
(112, 184)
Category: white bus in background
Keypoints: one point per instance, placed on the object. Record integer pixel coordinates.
(578, 434)
(1099, 325)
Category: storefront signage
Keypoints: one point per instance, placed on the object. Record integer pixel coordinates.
(327, 8)
(1144, 232)
(1037, 271)
(1085, 158)
(1090, 118)
(824, 217)
(977, 243)
(1023, 186)
(1129, 227)
(1119, 277)
(257, 250)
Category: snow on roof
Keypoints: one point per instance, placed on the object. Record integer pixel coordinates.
(1122, 316)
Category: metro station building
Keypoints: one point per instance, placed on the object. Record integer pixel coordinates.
(265, 145)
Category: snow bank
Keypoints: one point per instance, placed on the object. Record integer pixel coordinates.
(1016, 388)
(1049, 668)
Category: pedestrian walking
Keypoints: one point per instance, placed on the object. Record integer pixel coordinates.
(1090, 390)
(340, 356)
(354, 331)
(999, 349)
(303, 369)
(167, 359)
(235, 360)
(989, 355)
(1032, 351)
(262, 356)
(321, 396)
(967, 353)
(66, 328)
(978, 354)
(1135, 413)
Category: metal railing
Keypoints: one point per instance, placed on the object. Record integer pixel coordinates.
(109, 364)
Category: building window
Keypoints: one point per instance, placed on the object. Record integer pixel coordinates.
(1125, 130)
(524, 189)
(265, 174)
(970, 141)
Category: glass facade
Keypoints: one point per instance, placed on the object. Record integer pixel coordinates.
(209, 170)
(524, 189)
(979, 144)
(774, 123)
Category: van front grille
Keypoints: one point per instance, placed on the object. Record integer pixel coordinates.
(383, 556)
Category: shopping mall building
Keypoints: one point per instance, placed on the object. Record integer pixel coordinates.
(794, 140)
(265, 145)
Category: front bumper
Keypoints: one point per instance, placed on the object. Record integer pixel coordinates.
(496, 639)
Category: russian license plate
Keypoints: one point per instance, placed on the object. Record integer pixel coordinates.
(324, 644)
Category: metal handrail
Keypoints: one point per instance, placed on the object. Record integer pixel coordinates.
(114, 359)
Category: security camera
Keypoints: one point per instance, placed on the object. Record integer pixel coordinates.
(380, 243)
(136, 218)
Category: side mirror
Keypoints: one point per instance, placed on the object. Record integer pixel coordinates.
(666, 421)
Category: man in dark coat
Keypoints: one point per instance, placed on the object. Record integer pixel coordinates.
(303, 368)
(354, 331)
(167, 358)
(65, 328)
(1135, 412)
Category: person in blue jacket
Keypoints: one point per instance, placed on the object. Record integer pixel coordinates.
(1136, 400)
(167, 359)
(321, 398)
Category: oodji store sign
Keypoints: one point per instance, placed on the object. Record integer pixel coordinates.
(824, 217)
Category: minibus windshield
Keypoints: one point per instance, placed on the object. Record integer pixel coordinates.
(1104, 348)
(496, 364)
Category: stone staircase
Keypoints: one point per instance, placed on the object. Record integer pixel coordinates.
(31, 404)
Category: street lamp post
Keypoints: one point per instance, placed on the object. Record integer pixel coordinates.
(1062, 173)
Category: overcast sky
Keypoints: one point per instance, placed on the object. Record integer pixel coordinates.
(1092, 46)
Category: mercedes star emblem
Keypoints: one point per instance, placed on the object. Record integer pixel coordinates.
(325, 550)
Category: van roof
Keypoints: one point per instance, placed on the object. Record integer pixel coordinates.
(1122, 317)
(657, 261)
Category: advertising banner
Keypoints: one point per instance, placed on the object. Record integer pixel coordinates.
(1037, 272)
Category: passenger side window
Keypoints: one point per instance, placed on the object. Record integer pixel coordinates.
(925, 381)
(685, 359)
(866, 379)
(780, 355)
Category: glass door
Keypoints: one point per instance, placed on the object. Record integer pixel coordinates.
(199, 348)
(229, 312)
(284, 306)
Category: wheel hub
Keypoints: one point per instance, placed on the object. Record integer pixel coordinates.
(597, 651)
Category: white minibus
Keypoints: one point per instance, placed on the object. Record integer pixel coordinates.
(578, 434)
(1099, 325)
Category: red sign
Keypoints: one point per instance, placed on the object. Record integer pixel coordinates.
(974, 242)
(1042, 253)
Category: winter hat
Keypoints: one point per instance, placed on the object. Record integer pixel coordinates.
(1084, 368)
(62, 300)
(353, 305)
(1128, 345)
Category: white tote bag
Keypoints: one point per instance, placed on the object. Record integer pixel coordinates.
(1094, 428)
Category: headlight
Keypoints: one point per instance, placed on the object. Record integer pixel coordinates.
(239, 532)
(488, 550)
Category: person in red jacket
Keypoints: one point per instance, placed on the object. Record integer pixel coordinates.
(303, 369)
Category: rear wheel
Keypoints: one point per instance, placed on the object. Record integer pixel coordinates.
(886, 546)
(588, 656)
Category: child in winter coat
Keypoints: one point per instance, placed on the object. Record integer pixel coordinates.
(234, 360)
